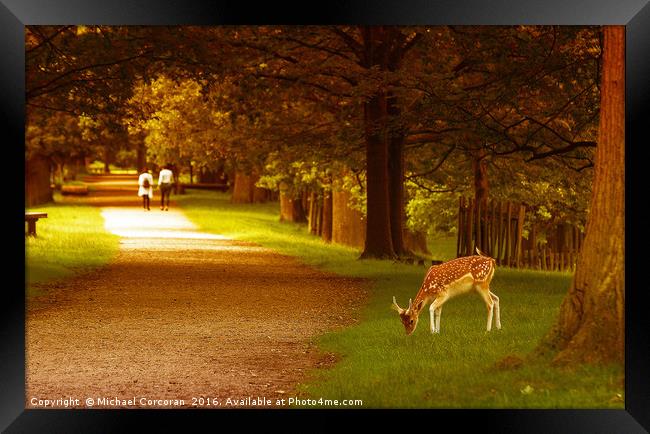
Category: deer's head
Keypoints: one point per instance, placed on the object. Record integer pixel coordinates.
(409, 317)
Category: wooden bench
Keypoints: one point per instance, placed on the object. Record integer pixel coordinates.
(31, 218)
(205, 186)
(74, 189)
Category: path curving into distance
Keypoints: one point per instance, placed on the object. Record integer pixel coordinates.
(182, 314)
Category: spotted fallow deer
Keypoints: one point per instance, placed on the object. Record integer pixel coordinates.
(448, 280)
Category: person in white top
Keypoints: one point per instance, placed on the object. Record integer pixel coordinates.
(145, 181)
(165, 180)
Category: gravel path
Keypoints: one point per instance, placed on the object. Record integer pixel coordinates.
(182, 315)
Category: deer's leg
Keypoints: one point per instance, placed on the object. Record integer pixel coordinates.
(438, 313)
(497, 314)
(432, 317)
(435, 309)
(484, 290)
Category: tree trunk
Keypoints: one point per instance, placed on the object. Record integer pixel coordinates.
(81, 164)
(107, 159)
(57, 172)
(326, 233)
(379, 242)
(291, 209)
(207, 176)
(481, 187)
(74, 167)
(176, 184)
(141, 157)
(222, 176)
(396, 177)
(591, 323)
(37, 181)
(243, 189)
(260, 195)
(298, 210)
(312, 221)
(348, 225)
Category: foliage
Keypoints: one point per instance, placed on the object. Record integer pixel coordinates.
(551, 194)
(431, 213)
(57, 135)
(172, 116)
(525, 98)
(287, 103)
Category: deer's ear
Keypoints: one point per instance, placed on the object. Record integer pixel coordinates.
(420, 305)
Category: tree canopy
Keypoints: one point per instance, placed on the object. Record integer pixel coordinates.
(407, 117)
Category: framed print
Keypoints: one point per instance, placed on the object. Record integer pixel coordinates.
(233, 208)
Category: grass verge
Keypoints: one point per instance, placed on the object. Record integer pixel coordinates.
(70, 240)
(382, 366)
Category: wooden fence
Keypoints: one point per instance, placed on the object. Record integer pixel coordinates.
(559, 252)
(497, 229)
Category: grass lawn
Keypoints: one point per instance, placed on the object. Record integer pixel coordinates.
(382, 366)
(71, 239)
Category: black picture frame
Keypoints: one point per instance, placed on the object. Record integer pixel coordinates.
(634, 14)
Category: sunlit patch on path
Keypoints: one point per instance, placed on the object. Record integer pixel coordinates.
(132, 223)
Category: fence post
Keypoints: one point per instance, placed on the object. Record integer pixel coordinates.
(552, 258)
(508, 230)
(533, 243)
(520, 228)
(477, 226)
(499, 247)
(470, 229)
(459, 236)
(493, 226)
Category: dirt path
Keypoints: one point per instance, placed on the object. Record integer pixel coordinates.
(182, 314)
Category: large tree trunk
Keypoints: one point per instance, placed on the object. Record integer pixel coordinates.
(396, 177)
(37, 181)
(291, 209)
(379, 242)
(348, 225)
(384, 48)
(591, 323)
(243, 189)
